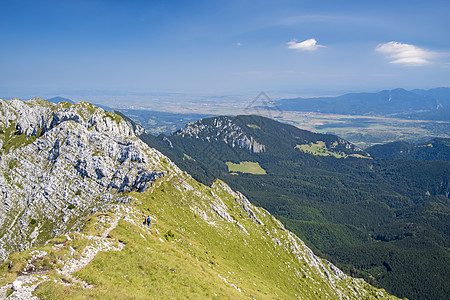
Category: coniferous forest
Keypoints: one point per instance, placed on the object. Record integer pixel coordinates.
(384, 220)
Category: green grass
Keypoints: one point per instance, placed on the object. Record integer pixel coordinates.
(253, 126)
(64, 104)
(185, 254)
(359, 156)
(319, 149)
(12, 141)
(246, 167)
(185, 156)
(366, 131)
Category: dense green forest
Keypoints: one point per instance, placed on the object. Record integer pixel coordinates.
(435, 149)
(385, 220)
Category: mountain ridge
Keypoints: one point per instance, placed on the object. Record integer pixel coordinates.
(58, 99)
(78, 148)
(335, 201)
(430, 104)
(75, 153)
(434, 149)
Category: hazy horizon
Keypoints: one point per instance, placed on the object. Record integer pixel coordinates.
(180, 102)
(214, 48)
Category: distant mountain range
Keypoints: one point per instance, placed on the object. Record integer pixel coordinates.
(432, 104)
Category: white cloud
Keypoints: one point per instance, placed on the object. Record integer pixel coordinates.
(238, 44)
(308, 45)
(405, 54)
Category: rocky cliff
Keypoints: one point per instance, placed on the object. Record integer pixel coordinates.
(75, 182)
(61, 163)
(221, 129)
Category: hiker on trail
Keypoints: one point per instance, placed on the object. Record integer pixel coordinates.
(149, 221)
(144, 220)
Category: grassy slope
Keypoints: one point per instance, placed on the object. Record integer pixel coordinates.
(186, 253)
(337, 204)
(319, 149)
(246, 167)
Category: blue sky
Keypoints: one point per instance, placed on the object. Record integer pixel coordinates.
(224, 47)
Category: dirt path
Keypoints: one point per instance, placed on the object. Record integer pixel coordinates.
(25, 285)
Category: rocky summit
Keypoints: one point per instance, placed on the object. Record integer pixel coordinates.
(75, 183)
(61, 163)
(221, 129)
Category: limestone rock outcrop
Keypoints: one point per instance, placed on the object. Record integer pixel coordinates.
(221, 129)
(61, 163)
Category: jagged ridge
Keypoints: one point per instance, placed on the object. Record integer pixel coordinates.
(72, 160)
(221, 129)
(216, 244)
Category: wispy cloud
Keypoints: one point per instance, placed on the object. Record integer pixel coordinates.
(307, 45)
(406, 54)
(295, 20)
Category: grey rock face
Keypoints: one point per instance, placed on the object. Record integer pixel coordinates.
(27, 116)
(241, 200)
(221, 129)
(80, 160)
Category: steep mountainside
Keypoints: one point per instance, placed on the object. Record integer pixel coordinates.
(435, 149)
(220, 129)
(75, 182)
(433, 104)
(384, 220)
(59, 164)
(204, 243)
(244, 132)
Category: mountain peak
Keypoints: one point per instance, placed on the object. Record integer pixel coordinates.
(260, 134)
(62, 157)
(75, 190)
(221, 128)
